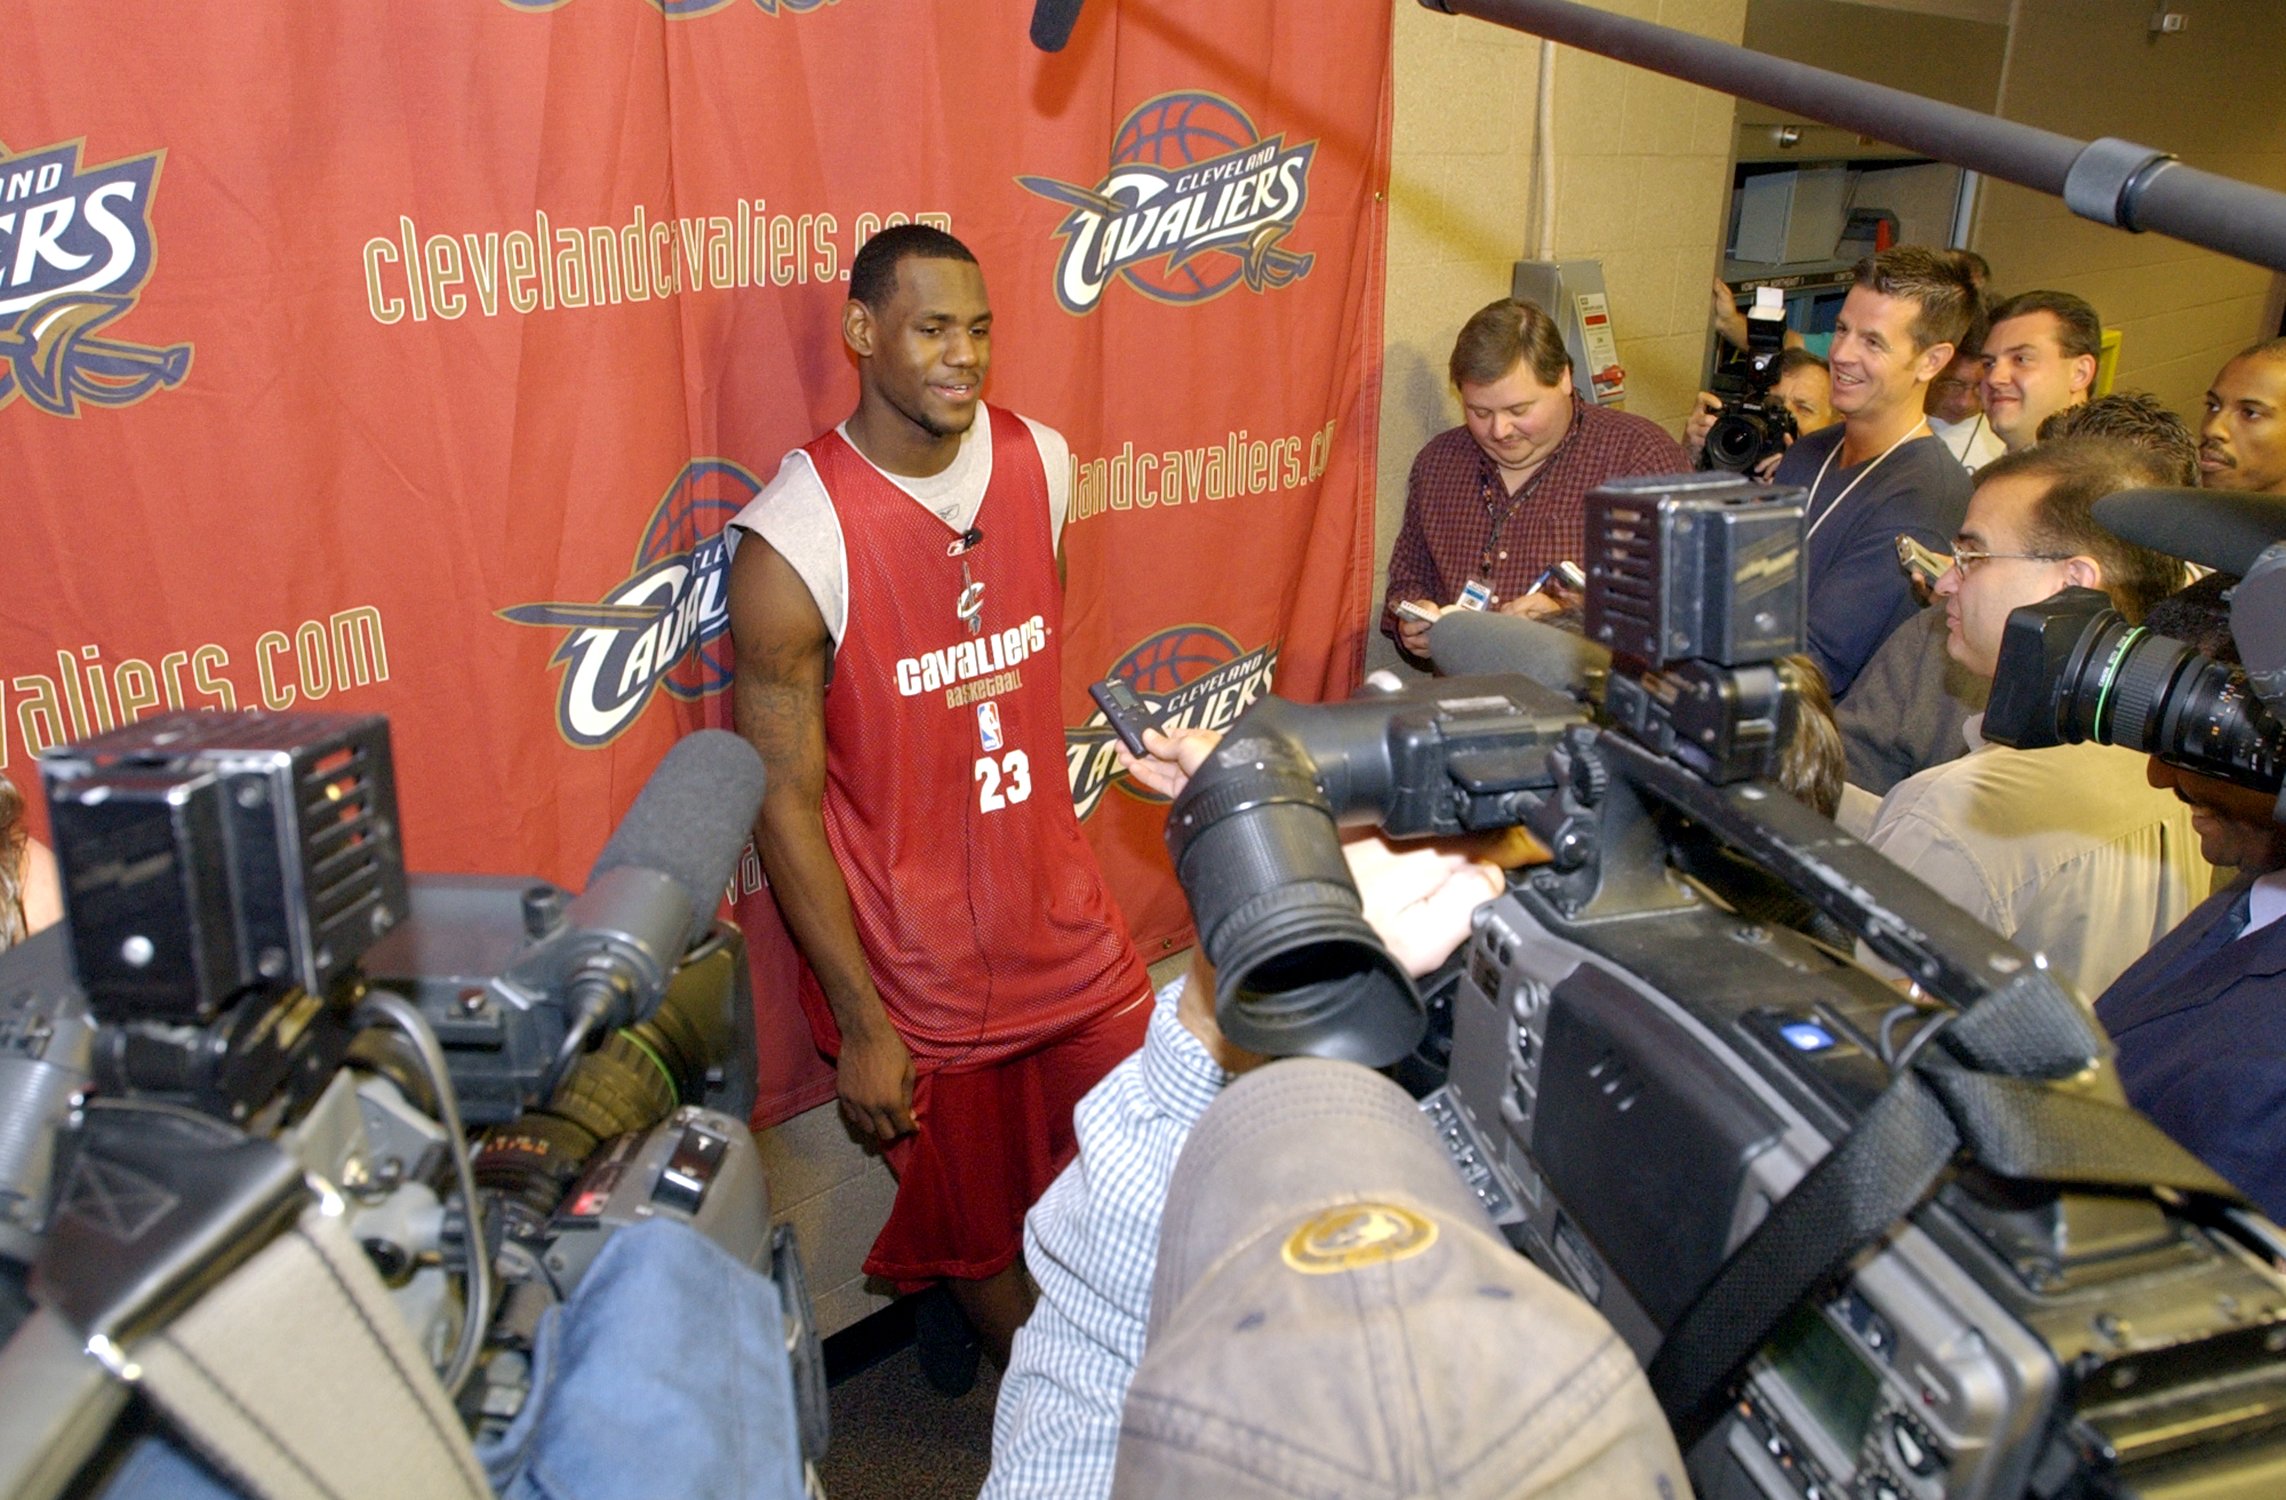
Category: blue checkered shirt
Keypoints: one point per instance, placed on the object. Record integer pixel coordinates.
(1091, 1243)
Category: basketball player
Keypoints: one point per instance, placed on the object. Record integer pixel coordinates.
(897, 611)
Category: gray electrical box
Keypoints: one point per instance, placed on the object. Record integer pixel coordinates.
(1571, 292)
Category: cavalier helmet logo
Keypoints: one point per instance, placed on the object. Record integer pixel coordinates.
(667, 625)
(1191, 676)
(75, 249)
(1196, 202)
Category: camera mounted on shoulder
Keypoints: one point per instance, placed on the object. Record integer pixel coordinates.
(1878, 1245)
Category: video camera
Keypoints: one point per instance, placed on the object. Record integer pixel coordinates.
(1753, 424)
(1868, 1244)
(2071, 669)
(254, 1015)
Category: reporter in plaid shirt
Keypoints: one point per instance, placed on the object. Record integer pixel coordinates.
(1498, 499)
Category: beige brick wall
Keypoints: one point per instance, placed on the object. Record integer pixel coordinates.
(2212, 95)
(1642, 184)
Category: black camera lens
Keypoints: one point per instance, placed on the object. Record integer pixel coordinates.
(2073, 670)
(1745, 434)
(1736, 441)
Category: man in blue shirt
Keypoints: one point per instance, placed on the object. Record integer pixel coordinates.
(1881, 472)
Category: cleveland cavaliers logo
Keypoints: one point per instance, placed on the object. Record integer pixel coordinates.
(1193, 676)
(666, 626)
(75, 250)
(1196, 201)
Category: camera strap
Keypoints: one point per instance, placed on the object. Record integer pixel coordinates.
(1985, 1087)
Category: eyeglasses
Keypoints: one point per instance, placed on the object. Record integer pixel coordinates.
(1929, 565)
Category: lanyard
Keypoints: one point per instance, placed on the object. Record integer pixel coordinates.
(1918, 429)
(1960, 455)
(1499, 517)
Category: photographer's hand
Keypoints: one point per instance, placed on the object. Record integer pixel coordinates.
(1701, 422)
(1728, 317)
(1174, 757)
(1417, 897)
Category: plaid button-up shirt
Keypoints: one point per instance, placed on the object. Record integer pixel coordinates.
(1461, 522)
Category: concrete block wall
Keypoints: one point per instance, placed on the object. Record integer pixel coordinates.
(1642, 184)
(2210, 94)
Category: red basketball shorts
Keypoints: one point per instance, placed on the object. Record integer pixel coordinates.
(989, 1142)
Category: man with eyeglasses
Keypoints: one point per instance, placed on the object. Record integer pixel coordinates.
(1955, 409)
(2068, 851)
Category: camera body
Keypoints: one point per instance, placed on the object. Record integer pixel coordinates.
(206, 1029)
(1644, 1086)
(1754, 423)
(2072, 669)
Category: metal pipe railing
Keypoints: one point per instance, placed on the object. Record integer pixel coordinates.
(2111, 181)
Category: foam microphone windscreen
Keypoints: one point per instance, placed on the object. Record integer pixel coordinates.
(1052, 22)
(1474, 643)
(2221, 529)
(691, 820)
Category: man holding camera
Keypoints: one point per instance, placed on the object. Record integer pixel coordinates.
(895, 603)
(2200, 1020)
(2068, 850)
(1880, 472)
(1495, 503)
(1092, 1240)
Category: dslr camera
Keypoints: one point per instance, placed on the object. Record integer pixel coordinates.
(1754, 424)
(1867, 1244)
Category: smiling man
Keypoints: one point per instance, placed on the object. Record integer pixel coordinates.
(2068, 851)
(1880, 472)
(1493, 503)
(2242, 440)
(2039, 357)
(897, 616)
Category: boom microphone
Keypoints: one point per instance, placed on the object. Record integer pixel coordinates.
(691, 820)
(2221, 529)
(654, 888)
(1475, 643)
(2233, 532)
(1052, 22)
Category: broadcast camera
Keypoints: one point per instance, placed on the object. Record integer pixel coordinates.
(1754, 423)
(257, 1029)
(2072, 669)
(1885, 1245)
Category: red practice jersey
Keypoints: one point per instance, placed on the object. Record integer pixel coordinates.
(984, 917)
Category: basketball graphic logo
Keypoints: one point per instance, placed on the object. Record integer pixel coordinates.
(75, 250)
(1187, 675)
(666, 626)
(1195, 203)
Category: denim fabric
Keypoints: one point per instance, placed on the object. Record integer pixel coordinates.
(665, 1374)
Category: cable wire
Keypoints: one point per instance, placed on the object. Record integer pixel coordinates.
(387, 1008)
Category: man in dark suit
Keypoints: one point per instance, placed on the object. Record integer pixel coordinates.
(2200, 1020)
